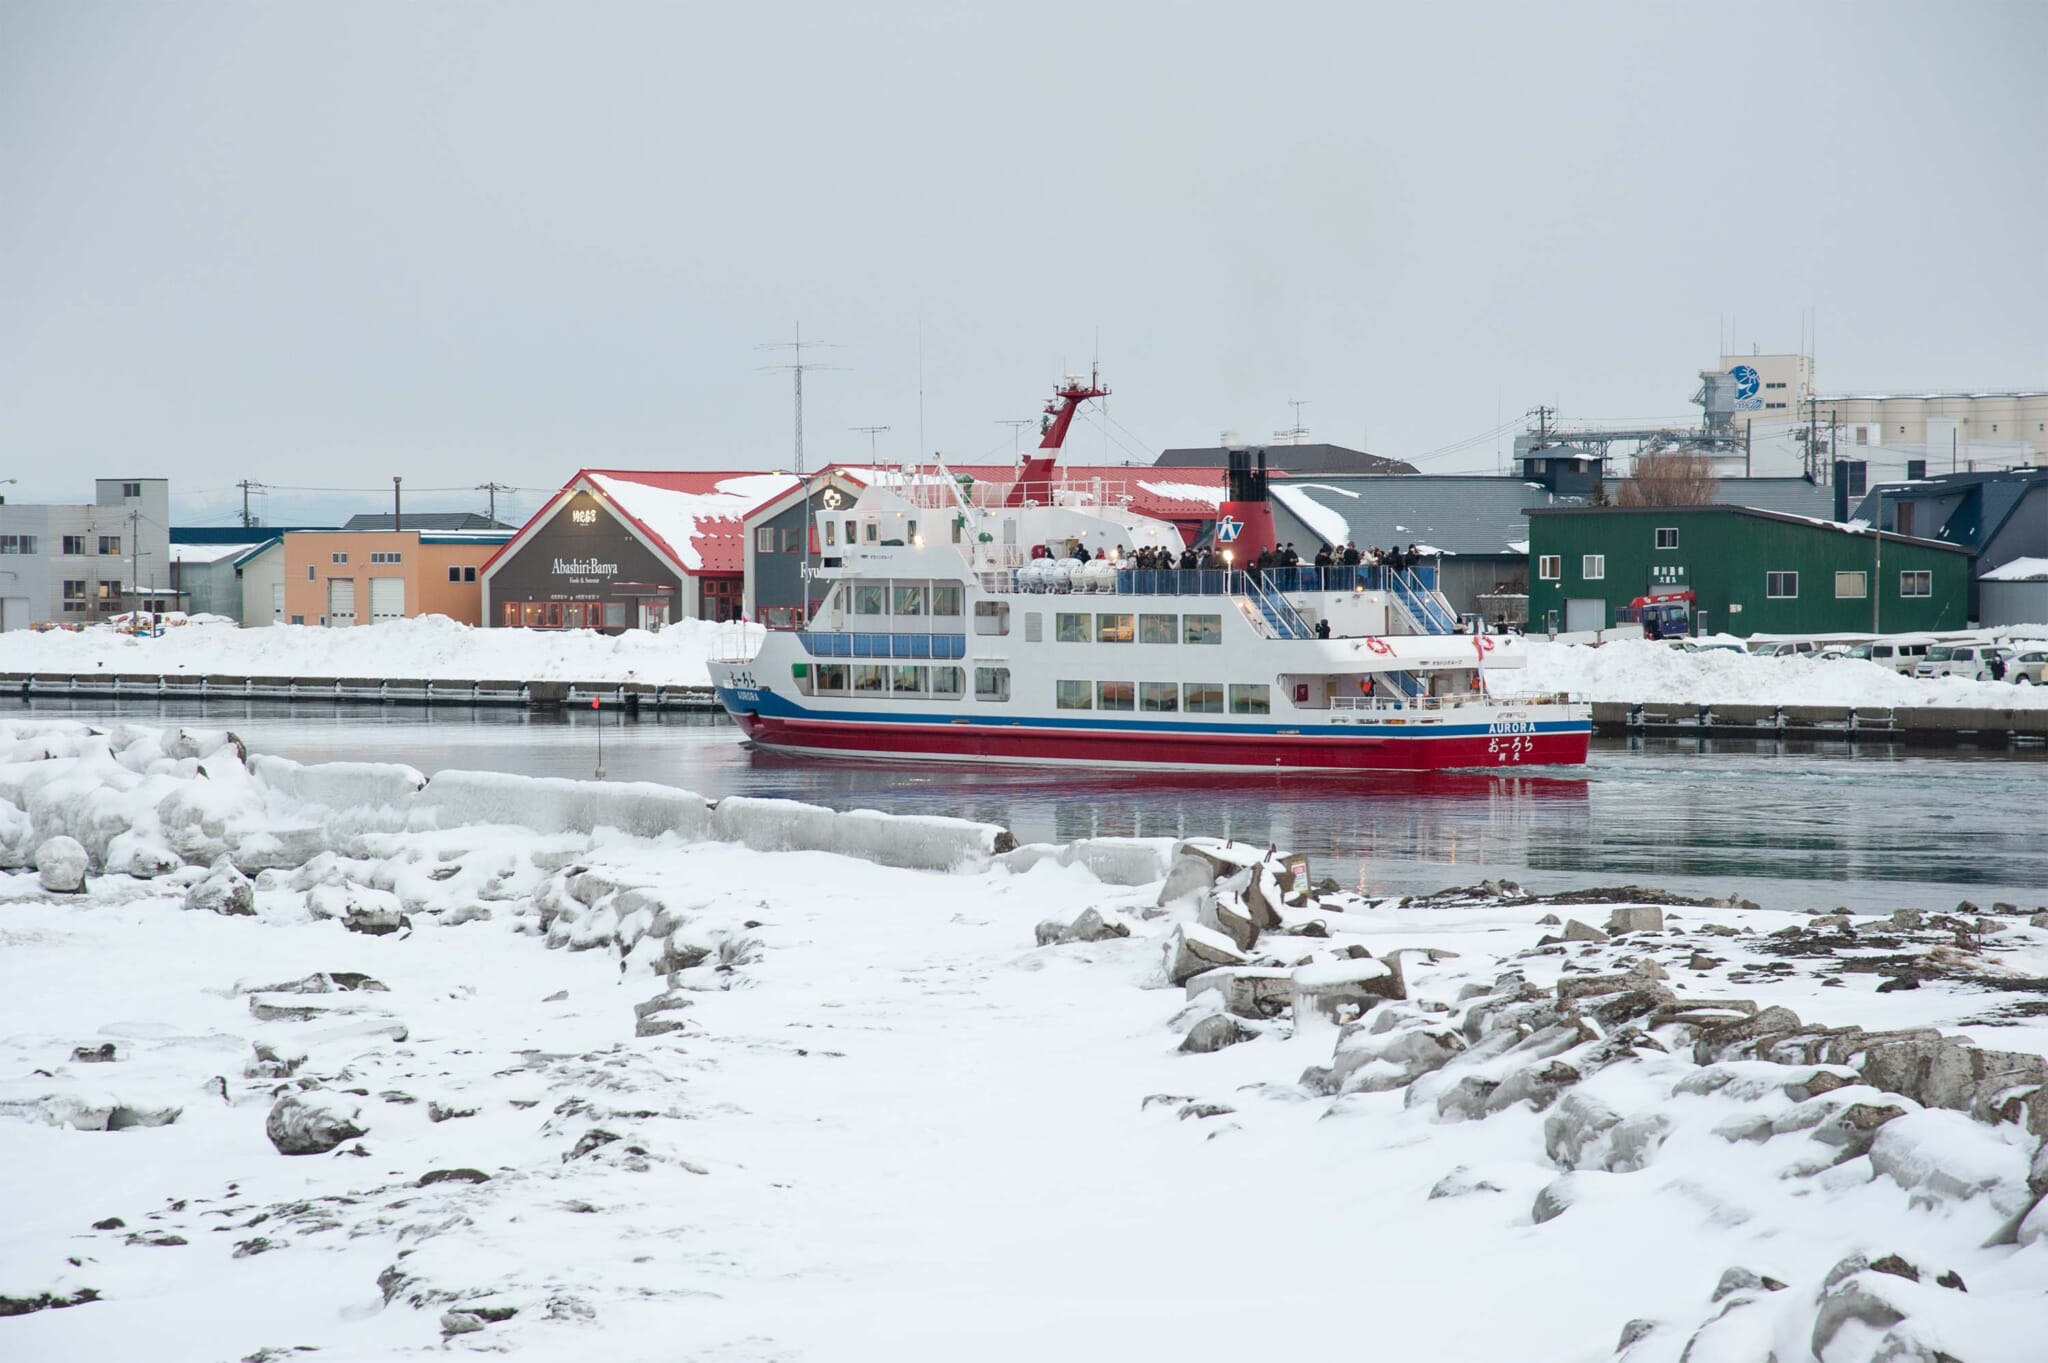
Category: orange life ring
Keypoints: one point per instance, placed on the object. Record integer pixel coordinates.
(1379, 645)
(1483, 643)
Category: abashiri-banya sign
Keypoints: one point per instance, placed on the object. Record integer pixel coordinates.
(585, 567)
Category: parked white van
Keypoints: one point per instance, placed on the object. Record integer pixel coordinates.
(1901, 653)
(1971, 661)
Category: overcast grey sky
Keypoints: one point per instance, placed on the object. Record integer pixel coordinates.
(320, 244)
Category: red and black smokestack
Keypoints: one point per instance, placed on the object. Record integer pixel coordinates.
(1244, 525)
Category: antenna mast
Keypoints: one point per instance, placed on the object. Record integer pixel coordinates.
(1293, 434)
(798, 368)
(870, 432)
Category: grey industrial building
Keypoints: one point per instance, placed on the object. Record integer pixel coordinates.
(73, 564)
(2000, 516)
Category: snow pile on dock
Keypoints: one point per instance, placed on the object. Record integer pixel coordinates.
(1636, 671)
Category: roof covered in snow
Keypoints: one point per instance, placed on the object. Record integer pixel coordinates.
(695, 519)
(210, 553)
(2019, 570)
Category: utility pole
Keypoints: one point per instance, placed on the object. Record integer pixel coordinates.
(798, 368)
(494, 489)
(1877, 572)
(870, 432)
(397, 507)
(248, 485)
(135, 551)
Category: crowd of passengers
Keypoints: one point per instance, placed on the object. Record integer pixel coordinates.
(1162, 559)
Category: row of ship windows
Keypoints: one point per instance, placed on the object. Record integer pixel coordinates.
(922, 682)
(1076, 628)
(906, 598)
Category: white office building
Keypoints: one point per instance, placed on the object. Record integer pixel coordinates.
(76, 564)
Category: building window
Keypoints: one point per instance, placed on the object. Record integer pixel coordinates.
(1773, 406)
(831, 533)
(110, 595)
(1158, 697)
(1919, 583)
(1781, 586)
(992, 683)
(1550, 567)
(1859, 477)
(1593, 567)
(74, 594)
(1073, 695)
(1117, 695)
(764, 540)
(311, 574)
(1903, 518)
(1070, 628)
(1667, 537)
(17, 544)
(110, 544)
(74, 544)
(454, 573)
(131, 489)
(1201, 629)
(874, 535)
(1158, 629)
(1202, 698)
(386, 558)
(1851, 586)
(1115, 629)
(1253, 699)
(298, 619)
(341, 557)
(1863, 435)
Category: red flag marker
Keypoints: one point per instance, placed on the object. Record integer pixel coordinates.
(593, 702)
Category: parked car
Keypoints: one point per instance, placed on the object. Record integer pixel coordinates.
(1783, 648)
(1969, 661)
(2026, 668)
(1901, 654)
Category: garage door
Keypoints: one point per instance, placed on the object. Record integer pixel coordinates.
(341, 601)
(1585, 612)
(387, 599)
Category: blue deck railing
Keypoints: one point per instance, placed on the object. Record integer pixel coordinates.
(1232, 582)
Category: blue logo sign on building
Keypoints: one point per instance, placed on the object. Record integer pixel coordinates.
(1747, 385)
(1228, 529)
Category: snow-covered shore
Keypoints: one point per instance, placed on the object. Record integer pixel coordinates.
(431, 648)
(764, 1103)
(435, 648)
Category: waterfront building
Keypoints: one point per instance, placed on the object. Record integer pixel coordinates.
(74, 564)
(362, 577)
(2000, 517)
(1746, 571)
(620, 549)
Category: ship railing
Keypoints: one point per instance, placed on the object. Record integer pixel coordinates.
(940, 489)
(1443, 702)
(1188, 581)
(876, 644)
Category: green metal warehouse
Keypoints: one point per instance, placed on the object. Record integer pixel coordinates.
(1749, 571)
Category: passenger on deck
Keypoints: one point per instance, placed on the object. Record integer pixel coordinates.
(1080, 554)
(1324, 559)
(1288, 558)
(1322, 629)
(1189, 559)
(1351, 554)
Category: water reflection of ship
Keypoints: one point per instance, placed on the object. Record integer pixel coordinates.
(1343, 822)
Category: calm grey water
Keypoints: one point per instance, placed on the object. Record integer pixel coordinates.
(1789, 825)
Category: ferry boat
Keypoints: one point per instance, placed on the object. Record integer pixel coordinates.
(969, 621)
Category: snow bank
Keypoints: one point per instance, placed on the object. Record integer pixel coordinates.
(431, 647)
(1638, 671)
(340, 785)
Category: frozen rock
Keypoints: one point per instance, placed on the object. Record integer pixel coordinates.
(1740, 1279)
(1576, 1131)
(1367, 1063)
(1215, 1032)
(311, 1123)
(1575, 931)
(1861, 1298)
(1941, 1156)
(1088, 926)
(1226, 912)
(225, 891)
(142, 854)
(1340, 991)
(1554, 1199)
(60, 864)
(1634, 1143)
(1461, 1182)
(1634, 1333)
(1947, 1072)
(1635, 918)
(1188, 875)
(1248, 991)
(460, 1323)
(1191, 949)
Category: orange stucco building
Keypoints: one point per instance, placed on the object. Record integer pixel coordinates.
(358, 577)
